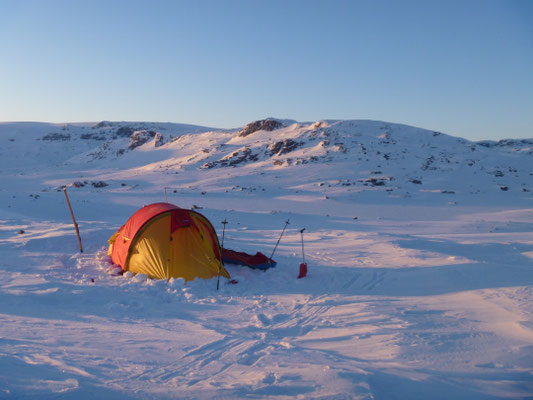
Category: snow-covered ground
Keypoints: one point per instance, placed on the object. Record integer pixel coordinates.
(419, 246)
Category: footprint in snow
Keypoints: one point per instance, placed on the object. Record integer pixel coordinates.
(269, 379)
(265, 321)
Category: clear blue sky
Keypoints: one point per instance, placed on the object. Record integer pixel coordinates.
(462, 67)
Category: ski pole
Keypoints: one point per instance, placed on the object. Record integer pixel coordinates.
(303, 253)
(165, 189)
(275, 247)
(224, 231)
(221, 247)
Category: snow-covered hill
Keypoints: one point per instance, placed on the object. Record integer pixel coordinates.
(419, 246)
(350, 159)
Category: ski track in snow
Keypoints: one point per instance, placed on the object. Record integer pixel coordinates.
(421, 296)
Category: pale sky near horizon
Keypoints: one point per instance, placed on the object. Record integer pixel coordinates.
(460, 67)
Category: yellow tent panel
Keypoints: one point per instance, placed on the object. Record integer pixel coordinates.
(187, 252)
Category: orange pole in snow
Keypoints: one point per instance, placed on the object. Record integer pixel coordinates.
(73, 219)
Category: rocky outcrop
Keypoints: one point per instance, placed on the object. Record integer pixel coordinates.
(261, 125)
(92, 136)
(124, 131)
(103, 124)
(283, 147)
(158, 140)
(234, 159)
(57, 136)
(138, 138)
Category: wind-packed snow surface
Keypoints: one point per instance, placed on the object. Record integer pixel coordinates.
(419, 247)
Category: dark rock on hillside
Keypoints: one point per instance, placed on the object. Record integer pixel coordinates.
(283, 147)
(376, 181)
(261, 125)
(506, 143)
(57, 136)
(124, 131)
(158, 140)
(236, 158)
(138, 138)
(99, 184)
(373, 182)
(96, 184)
(427, 165)
(514, 145)
(92, 136)
(241, 156)
(103, 124)
(386, 138)
(340, 147)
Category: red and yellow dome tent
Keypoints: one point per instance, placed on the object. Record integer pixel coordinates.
(164, 241)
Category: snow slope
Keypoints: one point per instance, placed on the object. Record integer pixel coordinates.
(419, 247)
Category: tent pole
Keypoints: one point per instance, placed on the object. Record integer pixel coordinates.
(73, 219)
(225, 222)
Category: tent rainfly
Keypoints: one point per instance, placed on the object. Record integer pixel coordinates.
(164, 241)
